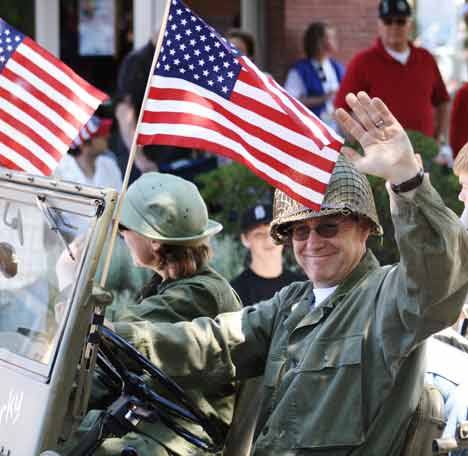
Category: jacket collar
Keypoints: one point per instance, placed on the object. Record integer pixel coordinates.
(367, 264)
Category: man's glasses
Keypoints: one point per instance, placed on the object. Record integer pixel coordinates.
(400, 21)
(327, 230)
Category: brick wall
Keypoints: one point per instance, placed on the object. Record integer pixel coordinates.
(286, 20)
(355, 22)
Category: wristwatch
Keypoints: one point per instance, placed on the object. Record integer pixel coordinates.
(410, 184)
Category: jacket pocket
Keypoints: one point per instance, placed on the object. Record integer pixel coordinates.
(327, 394)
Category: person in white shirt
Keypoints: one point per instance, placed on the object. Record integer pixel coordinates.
(89, 162)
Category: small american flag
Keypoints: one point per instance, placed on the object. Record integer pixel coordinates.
(204, 94)
(43, 104)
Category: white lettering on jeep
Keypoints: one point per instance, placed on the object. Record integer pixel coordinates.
(10, 411)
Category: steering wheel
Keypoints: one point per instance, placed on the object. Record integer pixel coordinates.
(124, 380)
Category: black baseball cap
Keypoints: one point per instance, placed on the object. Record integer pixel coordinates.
(391, 8)
(260, 214)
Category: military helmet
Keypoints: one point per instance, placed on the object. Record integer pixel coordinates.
(168, 209)
(348, 192)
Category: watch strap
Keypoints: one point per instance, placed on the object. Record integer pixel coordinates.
(410, 184)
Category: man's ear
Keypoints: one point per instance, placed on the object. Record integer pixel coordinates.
(245, 241)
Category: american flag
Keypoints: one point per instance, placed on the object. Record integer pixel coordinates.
(205, 94)
(43, 104)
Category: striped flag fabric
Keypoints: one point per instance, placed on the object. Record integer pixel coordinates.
(43, 104)
(205, 94)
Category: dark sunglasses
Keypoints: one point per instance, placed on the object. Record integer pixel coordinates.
(327, 230)
(401, 21)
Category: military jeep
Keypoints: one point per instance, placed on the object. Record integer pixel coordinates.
(51, 326)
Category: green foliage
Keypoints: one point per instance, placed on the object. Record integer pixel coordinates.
(229, 255)
(229, 190)
(19, 15)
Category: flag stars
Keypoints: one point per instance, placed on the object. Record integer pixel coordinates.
(202, 38)
(7, 32)
(198, 28)
(210, 83)
(201, 62)
(172, 51)
(207, 48)
(191, 67)
(8, 40)
(183, 22)
(222, 54)
(182, 70)
(182, 47)
(187, 57)
(196, 76)
(220, 79)
(206, 73)
(17, 38)
(176, 62)
(9, 48)
(193, 42)
(197, 52)
(167, 67)
(173, 27)
(217, 44)
(226, 64)
(193, 18)
(188, 32)
(216, 68)
(179, 12)
(224, 89)
(211, 58)
(230, 74)
(178, 37)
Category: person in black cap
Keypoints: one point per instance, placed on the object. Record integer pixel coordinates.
(405, 77)
(264, 275)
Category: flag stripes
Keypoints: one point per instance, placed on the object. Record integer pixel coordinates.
(204, 94)
(43, 104)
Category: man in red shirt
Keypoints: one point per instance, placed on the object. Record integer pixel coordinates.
(458, 130)
(405, 77)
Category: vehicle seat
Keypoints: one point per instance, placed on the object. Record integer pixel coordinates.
(426, 425)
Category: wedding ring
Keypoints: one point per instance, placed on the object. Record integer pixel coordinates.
(380, 123)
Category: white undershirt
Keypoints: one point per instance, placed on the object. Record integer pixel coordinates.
(323, 293)
(402, 57)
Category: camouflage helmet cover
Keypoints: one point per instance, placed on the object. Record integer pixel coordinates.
(348, 192)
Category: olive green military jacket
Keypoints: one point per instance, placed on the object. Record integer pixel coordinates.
(205, 294)
(345, 377)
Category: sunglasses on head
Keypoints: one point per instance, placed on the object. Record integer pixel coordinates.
(401, 21)
(326, 229)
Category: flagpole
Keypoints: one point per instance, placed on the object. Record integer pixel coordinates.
(133, 149)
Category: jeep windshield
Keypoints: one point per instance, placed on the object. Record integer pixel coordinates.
(42, 239)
